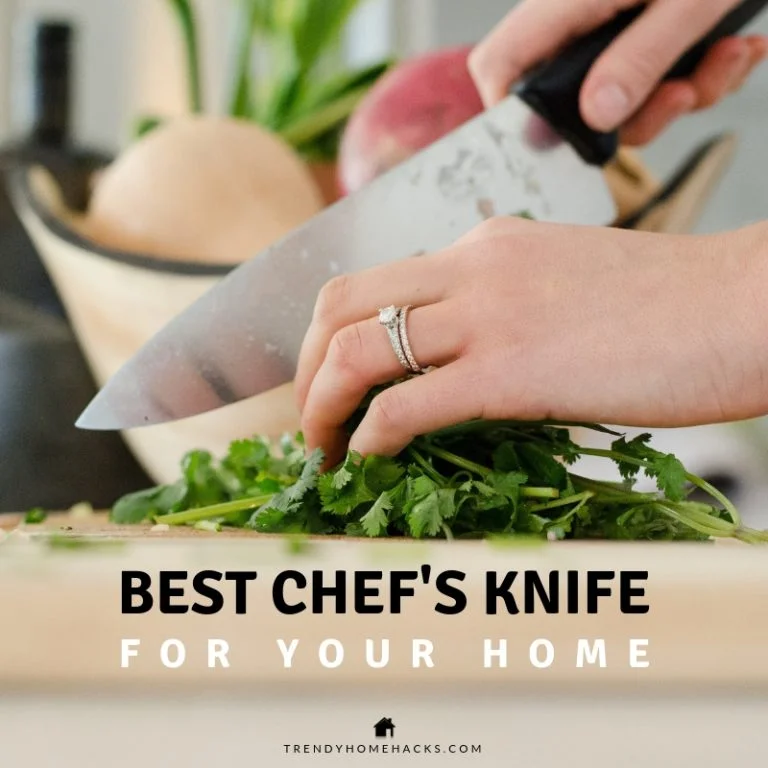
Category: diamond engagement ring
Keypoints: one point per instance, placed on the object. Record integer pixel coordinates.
(394, 319)
(390, 319)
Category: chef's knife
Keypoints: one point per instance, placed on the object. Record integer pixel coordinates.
(243, 337)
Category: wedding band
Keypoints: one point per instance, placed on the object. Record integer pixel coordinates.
(390, 319)
(406, 344)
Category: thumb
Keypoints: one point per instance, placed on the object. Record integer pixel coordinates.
(631, 69)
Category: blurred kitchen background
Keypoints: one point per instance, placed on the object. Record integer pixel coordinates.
(126, 62)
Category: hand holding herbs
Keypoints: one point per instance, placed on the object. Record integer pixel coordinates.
(534, 320)
(476, 480)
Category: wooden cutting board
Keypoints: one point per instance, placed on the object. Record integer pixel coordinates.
(98, 526)
(707, 625)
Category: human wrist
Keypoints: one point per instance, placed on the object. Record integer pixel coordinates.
(741, 320)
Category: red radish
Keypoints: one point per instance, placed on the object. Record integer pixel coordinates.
(411, 107)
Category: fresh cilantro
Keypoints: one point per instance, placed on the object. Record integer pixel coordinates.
(344, 491)
(375, 521)
(430, 514)
(146, 505)
(668, 471)
(35, 516)
(634, 450)
(670, 477)
(381, 474)
(269, 519)
(508, 480)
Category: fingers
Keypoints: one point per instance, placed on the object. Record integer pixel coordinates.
(361, 357)
(624, 77)
(725, 65)
(670, 102)
(531, 33)
(724, 71)
(350, 299)
(346, 352)
(447, 396)
(758, 48)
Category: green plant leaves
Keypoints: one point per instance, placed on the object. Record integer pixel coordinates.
(326, 108)
(316, 27)
(289, 90)
(185, 14)
(473, 481)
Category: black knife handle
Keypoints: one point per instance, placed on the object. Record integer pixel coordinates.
(553, 90)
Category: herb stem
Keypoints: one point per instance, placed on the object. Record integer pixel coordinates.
(703, 527)
(717, 495)
(602, 453)
(616, 493)
(458, 461)
(528, 492)
(470, 466)
(573, 512)
(579, 499)
(693, 479)
(229, 509)
(716, 523)
(426, 466)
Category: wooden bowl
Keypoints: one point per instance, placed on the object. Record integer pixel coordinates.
(116, 302)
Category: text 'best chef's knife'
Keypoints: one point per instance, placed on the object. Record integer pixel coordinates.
(243, 337)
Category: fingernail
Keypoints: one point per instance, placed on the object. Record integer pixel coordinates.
(610, 106)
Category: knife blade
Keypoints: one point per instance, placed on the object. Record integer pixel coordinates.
(243, 337)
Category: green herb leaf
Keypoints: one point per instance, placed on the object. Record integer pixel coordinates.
(428, 515)
(637, 449)
(541, 467)
(375, 521)
(670, 477)
(35, 516)
(145, 505)
(381, 474)
(344, 490)
(145, 125)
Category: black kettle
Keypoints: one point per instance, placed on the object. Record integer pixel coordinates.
(44, 386)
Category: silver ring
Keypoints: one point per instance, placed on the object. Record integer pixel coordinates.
(390, 319)
(403, 328)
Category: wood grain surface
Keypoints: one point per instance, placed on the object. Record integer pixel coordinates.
(62, 621)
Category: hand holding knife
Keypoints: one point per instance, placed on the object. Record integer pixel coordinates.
(244, 337)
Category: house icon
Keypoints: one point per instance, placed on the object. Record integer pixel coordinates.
(383, 727)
